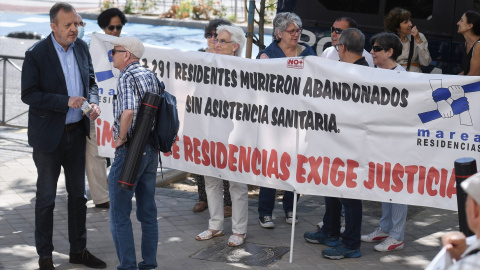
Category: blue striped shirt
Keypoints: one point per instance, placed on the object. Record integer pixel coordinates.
(127, 95)
(72, 78)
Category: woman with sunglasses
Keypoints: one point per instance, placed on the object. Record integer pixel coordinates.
(386, 47)
(415, 46)
(469, 27)
(112, 21)
(287, 29)
(230, 40)
(202, 204)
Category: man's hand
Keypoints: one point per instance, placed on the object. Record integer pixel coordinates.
(95, 111)
(76, 102)
(455, 243)
(120, 141)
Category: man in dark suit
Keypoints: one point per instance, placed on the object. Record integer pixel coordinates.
(57, 77)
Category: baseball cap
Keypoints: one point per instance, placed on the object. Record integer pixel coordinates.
(472, 187)
(131, 44)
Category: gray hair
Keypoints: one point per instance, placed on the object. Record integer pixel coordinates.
(283, 20)
(237, 35)
(57, 7)
(353, 40)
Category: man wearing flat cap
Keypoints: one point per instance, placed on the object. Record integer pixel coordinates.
(467, 257)
(132, 81)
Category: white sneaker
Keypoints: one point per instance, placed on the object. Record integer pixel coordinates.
(389, 244)
(375, 236)
(342, 225)
(289, 218)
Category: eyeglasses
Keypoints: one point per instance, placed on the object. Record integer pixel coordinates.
(377, 48)
(337, 45)
(221, 41)
(337, 31)
(114, 51)
(210, 35)
(82, 24)
(112, 27)
(294, 31)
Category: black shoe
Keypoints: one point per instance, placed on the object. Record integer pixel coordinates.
(103, 205)
(46, 264)
(86, 258)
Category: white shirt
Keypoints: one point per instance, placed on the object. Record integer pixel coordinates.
(331, 53)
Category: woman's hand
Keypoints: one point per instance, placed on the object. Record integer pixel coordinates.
(416, 34)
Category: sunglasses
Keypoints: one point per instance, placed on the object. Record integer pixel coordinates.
(112, 27)
(337, 31)
(337, 45)
(210, 35)
(114, 51)
(377, 48)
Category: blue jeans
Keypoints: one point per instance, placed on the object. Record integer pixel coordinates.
(266, 201)
(121, 207)
(353, 220)
(69, 154)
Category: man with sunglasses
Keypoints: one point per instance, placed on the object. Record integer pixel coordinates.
(339, 25)
(349, 47)
(57, 79)
(134, 80)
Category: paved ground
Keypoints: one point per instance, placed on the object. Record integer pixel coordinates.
(178, 226)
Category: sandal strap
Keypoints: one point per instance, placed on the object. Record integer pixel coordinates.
(205, 235)
(236, 240)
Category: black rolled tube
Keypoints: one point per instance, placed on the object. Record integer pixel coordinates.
(464, 168)
(143, 126)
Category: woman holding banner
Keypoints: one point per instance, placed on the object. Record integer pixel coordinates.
(469, 27)
(287, 29)
(386, 47)
(230, 40)
(202, 204)
(414, 44)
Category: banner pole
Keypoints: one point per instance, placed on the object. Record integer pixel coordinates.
(292, 234)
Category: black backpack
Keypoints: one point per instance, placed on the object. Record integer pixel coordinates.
(167, 123)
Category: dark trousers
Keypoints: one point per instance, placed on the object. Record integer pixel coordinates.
(266, 201)
(353, 220)
(70, 154)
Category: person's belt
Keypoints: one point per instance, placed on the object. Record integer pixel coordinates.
(72, 126)
(411, 64)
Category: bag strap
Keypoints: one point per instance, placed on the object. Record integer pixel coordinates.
(136, 87)
(410, 53)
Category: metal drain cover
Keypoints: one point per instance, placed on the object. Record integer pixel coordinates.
(248, 254)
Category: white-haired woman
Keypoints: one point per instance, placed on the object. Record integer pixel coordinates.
(287, 29)
(230, 40)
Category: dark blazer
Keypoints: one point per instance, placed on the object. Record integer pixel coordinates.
(45, 91)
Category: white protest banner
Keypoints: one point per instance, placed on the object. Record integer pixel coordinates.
(312, 125)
